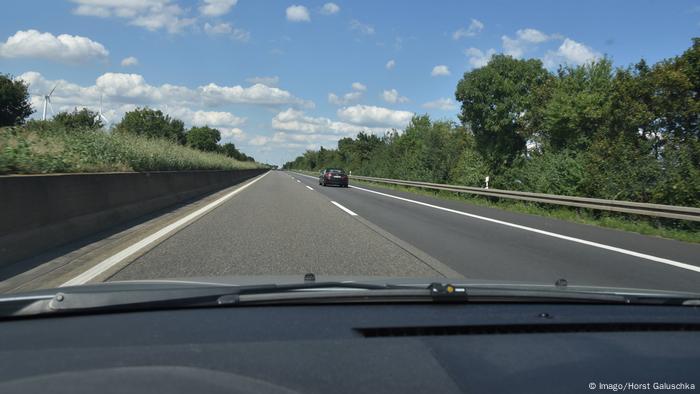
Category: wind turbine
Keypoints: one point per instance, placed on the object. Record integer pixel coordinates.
(100, 115)
(47, 100)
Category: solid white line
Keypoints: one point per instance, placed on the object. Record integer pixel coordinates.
(111, 261)
(309, 187)
(547, 233)
(349, 212)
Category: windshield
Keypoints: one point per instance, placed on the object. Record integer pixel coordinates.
(260, 141)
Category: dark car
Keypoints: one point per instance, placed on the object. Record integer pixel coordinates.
(333, 176)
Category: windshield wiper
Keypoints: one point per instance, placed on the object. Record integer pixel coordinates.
(95, 300)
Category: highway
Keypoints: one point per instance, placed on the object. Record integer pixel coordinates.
(284, 223)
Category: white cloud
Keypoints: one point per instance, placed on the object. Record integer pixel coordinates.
(525, 40)
(213, 94)
(129, 61)
(227, 29)
(292, 120)
(298, 13)
(392, 96)
(374, 116)
(330, 8)
(217, 7)
(232, 133)
(361, 27)
(440, 70)
(390, 64)
(259, 140)
(475, 27)
(359, 86)
(63, 48)
(347, 98)
(269, 81)
(149, 14)
(570, 52)
(443, 104)
(124, 92)
(478, 58)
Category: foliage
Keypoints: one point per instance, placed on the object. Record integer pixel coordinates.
(203, 138)
(79, 120)
(48, 147)
(152, 123)
(592, 130)
(15, 106)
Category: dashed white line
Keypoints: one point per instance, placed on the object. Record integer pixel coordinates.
(298, 181)
(349, 212)
(115, 259)
(309, 187)
(547, 233)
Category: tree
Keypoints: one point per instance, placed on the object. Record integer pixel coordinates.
(152, 123)
(500, 105)
(580, 105)
(83, 119)
(203, 138)
(15, 106)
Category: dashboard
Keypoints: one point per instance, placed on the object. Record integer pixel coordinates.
(353, 348)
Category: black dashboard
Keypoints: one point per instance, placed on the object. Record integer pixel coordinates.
(355, 348)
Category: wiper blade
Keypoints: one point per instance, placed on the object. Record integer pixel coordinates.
(77, 300)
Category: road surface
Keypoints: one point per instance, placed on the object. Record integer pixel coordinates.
(287, 224)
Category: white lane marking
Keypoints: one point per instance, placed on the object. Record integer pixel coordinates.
(547, 233)
(298, 181)
(113, 260)
(309, 187)
(349, 212)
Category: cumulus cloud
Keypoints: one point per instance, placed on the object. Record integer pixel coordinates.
(298, 13)
(475, 27)
(478, 58)
(570, 52)
(525, 40)
(359, 86)
(390, 64)
(347, 98)
(217, 7)
(330, 8)
(361, 27)
(374, 116)
(392, 96)
(440, 70)
(123, 92)
(269, 81)
(292, 120)
(228, 30)
(130, 61)
(63, 48)
(443, 104)
(149, 14)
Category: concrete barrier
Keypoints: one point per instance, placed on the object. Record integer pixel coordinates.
(40, 212)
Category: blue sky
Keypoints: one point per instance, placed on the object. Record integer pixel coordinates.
(279, 77)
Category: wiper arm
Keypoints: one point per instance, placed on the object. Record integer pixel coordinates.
(90, 300)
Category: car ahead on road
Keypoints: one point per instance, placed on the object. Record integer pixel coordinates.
(346, 335)
(333, 176)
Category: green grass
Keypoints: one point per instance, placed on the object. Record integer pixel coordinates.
(55, 150)
(664, 228)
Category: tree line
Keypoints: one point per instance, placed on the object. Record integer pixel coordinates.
(628, 133)
(15, 109)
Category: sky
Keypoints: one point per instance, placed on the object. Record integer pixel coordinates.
(279, 77)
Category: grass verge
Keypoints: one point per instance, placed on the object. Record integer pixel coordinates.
(57, 150)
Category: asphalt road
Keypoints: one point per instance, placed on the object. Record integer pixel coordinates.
(286, 224)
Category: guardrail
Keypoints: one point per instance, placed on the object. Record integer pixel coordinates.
(656, 210)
